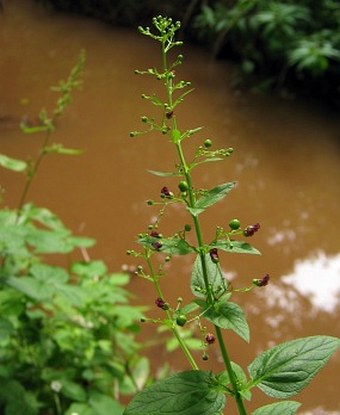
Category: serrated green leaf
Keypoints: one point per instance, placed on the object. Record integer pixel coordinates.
(235, 247)
(162, 173)
(185, 393)
(214, 195)
(286, 369)
(38, 290)
(230, 316)
(89, 269)
(42, 215)
(216, 280)
(12, 164)
(104, 404)
(279, 408)
(72, 390)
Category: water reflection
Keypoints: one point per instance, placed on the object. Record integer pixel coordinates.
(318, 279)
(320, 411)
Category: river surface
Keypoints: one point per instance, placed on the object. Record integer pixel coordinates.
(286, 164)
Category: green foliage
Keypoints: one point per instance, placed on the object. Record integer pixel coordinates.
(67, 334)
(62, 328)
(229, 316)
(185, 393)
(282, 371)
(278, 39)
(279, 408)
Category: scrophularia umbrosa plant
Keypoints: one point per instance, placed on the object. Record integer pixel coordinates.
(280, 372)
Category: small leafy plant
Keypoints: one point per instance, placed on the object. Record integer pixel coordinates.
(280, 372)
(67, 333)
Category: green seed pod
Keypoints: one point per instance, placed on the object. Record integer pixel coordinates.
(234, 224)
(207, 143)
(183, 186)
(181, 320)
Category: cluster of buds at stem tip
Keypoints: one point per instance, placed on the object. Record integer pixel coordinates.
(261, 282)
(161, 304)
(214, 255)
(251, 229)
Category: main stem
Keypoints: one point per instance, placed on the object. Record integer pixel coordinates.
(32, 173)
(198, 230)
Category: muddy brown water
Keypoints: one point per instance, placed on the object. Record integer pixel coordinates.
(286, 164)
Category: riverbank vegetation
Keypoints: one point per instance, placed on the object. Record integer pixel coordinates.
(278, 45)
(68, 329)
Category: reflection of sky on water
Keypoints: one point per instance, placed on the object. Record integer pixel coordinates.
(320, 411)
(313, 286)
(318, 279)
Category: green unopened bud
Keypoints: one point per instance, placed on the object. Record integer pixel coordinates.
(181, 320)
(234, 224)
(183, 186)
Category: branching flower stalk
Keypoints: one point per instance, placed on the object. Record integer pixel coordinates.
(167, 31)
(47, 126)
(278, 371)
(184, 168)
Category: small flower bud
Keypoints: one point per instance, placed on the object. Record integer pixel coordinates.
(155, 234)
(251, 229)
(187, 228)
(161, 304)
(150, 202)
(183, 186)
(157, 245)
(207, 143)
(234, 224)
(214, 255)
(165, 192)
(181, 320)
(262, 282)
(205, 357)
(210, 338)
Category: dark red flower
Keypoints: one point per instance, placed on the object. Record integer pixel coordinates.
(165, 192)
(251, 229)
(157, 245)
(262, 282)
(154, 234)
(161, 303)
(210, 338)
(214, 255)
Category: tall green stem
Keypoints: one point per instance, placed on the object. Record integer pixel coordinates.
(198, 230)
(32, 173)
